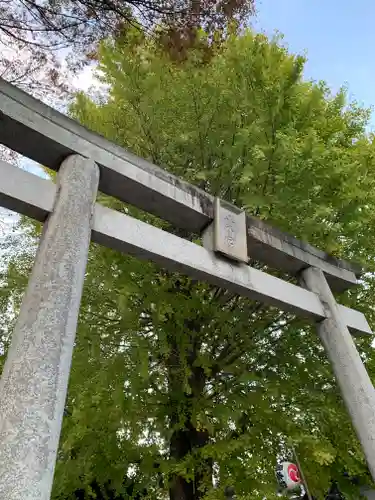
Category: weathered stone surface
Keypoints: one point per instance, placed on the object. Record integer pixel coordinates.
(355, 384)
(34, 197)
(48, 137)
(26, 193)
(229, 232)
(282, 251)
(35, 377)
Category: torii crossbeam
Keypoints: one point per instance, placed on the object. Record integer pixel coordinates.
(35, 376)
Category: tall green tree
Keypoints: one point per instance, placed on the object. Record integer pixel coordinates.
(179, 389)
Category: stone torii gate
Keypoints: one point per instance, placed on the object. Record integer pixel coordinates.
(35, 376)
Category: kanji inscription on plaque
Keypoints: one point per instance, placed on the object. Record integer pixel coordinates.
(228, 232)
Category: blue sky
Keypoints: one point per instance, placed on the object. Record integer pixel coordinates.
(338, 37)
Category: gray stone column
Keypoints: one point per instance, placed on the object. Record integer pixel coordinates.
(34, 381)
(355, 384)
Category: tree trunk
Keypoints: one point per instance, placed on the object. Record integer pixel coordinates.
(187, 439)
(180, 488)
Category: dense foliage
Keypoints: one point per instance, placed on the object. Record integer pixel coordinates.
(175, 382)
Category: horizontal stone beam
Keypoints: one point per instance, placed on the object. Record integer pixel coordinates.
(25, 193)
(280, 250)
(126, 234)
(47, 137)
